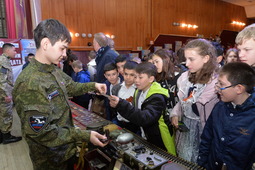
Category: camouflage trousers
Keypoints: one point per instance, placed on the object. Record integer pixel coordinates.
(52, 158)
(6, 116)
(67, 165)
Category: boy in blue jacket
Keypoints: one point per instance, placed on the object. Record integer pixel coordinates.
(82, 76)
(149, 104)
(227, 141)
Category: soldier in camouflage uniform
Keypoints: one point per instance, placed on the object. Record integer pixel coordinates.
(41, 97)
(6, 87)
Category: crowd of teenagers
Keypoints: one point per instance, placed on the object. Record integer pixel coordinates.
(197, 104)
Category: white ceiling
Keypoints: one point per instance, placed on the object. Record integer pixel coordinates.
(249, 6)
(241, 2)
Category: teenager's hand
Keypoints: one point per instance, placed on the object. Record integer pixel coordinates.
(94, 138)
(114, 100)
(174, 121)
(101, 88)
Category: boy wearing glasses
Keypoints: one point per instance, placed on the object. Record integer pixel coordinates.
(227, 141)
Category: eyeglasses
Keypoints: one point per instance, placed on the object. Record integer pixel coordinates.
(223, 88)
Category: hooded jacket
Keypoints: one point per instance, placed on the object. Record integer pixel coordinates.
(150, 116)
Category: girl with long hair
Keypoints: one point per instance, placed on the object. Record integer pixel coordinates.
(197, 97)
(167, 75)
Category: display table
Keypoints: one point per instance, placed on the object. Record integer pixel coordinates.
(136, 154)
(83, 118)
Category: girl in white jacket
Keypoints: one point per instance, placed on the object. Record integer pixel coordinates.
(197, 96)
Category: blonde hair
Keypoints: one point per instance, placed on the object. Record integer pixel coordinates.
(77, 64)
(246, 34)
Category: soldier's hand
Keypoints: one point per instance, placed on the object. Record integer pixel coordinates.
(114, 100)
(95, 139)
(101, 88)
(8, 99)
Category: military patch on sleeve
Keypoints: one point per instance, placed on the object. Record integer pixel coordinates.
(3, 70)
(53, 94)
(37, 122)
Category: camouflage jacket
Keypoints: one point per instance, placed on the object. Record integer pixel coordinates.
(41, 98)
(6, 77)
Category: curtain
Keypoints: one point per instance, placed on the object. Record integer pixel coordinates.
(35, 12)
(10, 18)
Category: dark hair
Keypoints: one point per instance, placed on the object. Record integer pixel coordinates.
(181, 56)
(146, 68)
(69, 51)
(71, 57)
(169, 68)
(203, 48)
(53, 30)
(239, 73)
(109, 67)
(148, 56)
(30, 54)
(7, 45)
(130, 65)
(120, 58)
(218, 48)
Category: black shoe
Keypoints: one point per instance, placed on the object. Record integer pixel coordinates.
(8, 138)
(1, 137)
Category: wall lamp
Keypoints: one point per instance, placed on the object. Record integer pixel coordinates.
(110, 36)
(184, 25)
(83, 35)
(76, 34)
(238, 23)
(89, 35)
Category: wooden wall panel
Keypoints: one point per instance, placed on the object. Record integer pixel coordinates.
(85, 21)
(135, 22)
(70, 10)
(45, 9)
(55, 9)
(211, 16)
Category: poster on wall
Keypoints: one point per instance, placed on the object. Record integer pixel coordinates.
(27, 46)
(133, 55)
(157, 48)
(178, 45)
(16, 42)
(168, 46)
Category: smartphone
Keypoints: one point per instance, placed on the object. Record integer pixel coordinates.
(182, 127)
